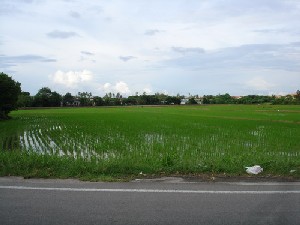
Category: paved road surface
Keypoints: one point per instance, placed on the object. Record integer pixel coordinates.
(163, 201)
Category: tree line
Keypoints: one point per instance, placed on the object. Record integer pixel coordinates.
(253, 99)
(47, 98)
(11, 97)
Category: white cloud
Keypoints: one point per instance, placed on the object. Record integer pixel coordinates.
(120, 87)
(259, 84)
(107, 87)
(84, 81)
(147, 90)
(71, 79)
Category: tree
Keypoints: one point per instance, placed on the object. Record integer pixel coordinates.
(46, 98)
(192, 101)
(208, 99)
(68, 99)
(85, 98)
(25, 100)
(9, 93)
(98, 101)
(131, 100)
(55, 99)
(161, 97)
(148, 100)
(115, 101)
(170, 100)
(224, 99)
(298, 96)
(41, 99)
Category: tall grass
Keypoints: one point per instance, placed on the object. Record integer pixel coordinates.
(92, 142)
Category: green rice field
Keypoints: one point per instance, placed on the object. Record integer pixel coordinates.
(96, 143)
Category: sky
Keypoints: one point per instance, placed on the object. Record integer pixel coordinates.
(202, 47)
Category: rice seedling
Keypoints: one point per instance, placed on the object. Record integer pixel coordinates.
(96, 142)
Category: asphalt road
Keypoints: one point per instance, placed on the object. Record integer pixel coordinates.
(163, 201)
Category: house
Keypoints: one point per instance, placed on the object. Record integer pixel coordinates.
(199, 100)
(76, 103)
(184, 101)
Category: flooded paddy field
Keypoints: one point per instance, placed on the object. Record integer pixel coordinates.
(91, 142)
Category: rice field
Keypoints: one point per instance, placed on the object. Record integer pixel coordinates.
(91, 143)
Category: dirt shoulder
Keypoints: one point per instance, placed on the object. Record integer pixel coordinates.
(218, 178)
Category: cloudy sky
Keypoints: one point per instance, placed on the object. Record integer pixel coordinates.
(200, 47)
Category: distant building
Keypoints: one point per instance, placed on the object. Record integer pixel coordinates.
(199, 100)
(76, 103)
(184, 101)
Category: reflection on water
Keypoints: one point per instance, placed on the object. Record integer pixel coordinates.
(58, 140)
(62, 146)
(54, 141)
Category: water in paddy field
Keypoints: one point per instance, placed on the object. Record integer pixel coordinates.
(57, 140)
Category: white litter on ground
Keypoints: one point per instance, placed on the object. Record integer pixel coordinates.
(254, 169)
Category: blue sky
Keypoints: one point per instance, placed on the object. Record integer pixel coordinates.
(200, 47)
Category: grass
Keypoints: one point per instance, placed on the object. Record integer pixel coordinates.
(112, 143)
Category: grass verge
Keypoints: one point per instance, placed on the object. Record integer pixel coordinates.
(33, 165)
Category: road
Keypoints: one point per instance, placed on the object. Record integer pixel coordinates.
(161, 201)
